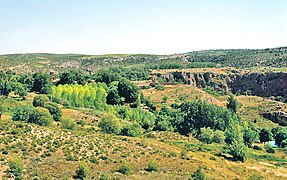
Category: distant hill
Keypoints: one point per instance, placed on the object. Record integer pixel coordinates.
(240, 58)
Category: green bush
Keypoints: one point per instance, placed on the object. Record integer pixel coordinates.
(238, 151)
(110, 125)
(218, 136)
(38, 115)
(125, 168)
(152, 166)
(133, 130)
(159, 87)
(269, 148)
(40, 100)
(105, 176)
(206, 135)
(41, 116)
(16, 166)
(82, 171)
(54, 110)
(22, 113)
(198, 175)
(68, 124)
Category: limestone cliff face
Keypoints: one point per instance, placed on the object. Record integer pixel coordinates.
(259, 84)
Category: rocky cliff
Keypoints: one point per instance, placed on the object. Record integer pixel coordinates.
(259, 84)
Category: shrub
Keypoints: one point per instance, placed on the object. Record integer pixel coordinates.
(269, 148)
(105, 176)
(40, 100)
(159, 87)
(265, 135)
(238, 151)
(206, 135)
(198, 175)
(125, 168)
(133, 130)
(41, 116)
(22, 113)
(16, 166)
(257, 147)
(110, 125)
(82, 171)
(152, 166)
(54, 110)
(218, 136)
(68, 124)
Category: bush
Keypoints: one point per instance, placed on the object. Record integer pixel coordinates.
(105, 176)
(110, 125)
(54, 110)
(68, 124)
(257, 147)
(39, 115)
(125, 168)
(269, 148)
(40, 100)
(238, 151)
(159, 87)
(206, 135)
(133, 130)
(198, 175)
(22, 113)
(16, 166)
(152, 166)
(218, 136)
(82, 171)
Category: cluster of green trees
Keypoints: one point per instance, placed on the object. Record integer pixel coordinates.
(20, 84)
(279, 134)
(9, 82)
(42, 112)
(88, 95)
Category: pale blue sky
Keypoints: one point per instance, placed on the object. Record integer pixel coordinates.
(140, 26)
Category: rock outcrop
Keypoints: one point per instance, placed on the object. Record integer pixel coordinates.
(259, 84)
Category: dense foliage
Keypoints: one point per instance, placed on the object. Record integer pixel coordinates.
(89, 95)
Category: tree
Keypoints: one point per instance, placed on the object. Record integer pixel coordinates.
(280, 136)
(82, 171)
(54, 110)
(113, 96)
(40, 100)
(105, 76)
(16, 166)
(110, 125)
(42, 83)
(265, 135)
(206, 135)
(249, 136)
(232, 104)
(19, 89)
(128, 90)
(72, 77)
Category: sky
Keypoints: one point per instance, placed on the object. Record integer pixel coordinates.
(140, 26)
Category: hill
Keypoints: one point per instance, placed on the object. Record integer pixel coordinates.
(241, 58)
